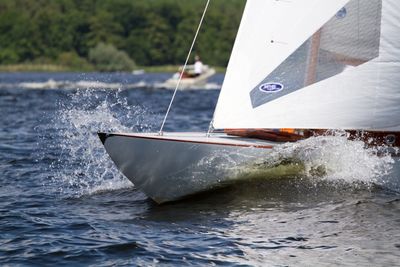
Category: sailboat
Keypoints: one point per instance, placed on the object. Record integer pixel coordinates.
(297, 69)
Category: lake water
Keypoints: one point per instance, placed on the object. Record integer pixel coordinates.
(62, 201)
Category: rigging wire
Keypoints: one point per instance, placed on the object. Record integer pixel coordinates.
(184, 68)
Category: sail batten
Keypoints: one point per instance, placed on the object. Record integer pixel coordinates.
(323, 65)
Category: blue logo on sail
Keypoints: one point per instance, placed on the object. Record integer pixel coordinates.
(271, 87)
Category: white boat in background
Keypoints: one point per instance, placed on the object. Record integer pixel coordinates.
(189, 81)
(138, 72)
(298, 69)
(50, 84)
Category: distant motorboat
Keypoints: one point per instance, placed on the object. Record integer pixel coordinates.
(189, 80)
(138, 72)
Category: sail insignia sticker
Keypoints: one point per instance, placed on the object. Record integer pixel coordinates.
(341, 14)
(271, 87)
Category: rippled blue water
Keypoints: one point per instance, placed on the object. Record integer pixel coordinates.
(62, 202)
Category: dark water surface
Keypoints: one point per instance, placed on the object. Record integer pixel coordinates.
(62, 201)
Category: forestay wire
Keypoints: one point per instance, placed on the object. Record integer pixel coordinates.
(184, 67)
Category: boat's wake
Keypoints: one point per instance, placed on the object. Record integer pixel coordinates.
(334, 159)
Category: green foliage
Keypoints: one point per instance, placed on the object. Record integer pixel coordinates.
(156, 32)
(73, 61)
(107, 58)
(8, 56)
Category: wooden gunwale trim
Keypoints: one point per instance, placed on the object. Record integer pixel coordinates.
(265, 134)
(371, 138)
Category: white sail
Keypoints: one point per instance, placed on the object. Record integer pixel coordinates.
(272, 52)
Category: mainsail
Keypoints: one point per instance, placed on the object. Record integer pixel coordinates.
(312, 64)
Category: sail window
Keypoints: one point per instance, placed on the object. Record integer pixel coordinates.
(348, 40)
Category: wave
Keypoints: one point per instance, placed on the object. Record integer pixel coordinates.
(84, 84)
(336, 159)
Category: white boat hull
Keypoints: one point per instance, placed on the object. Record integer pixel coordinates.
(170, 167)
(190, 83)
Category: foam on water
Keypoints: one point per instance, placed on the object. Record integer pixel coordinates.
(337, 159)
(333, 159)
(83, 167)
(84, 84)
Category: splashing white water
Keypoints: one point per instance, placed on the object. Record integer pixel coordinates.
(333, 159)
(83, 166)
(337, 159)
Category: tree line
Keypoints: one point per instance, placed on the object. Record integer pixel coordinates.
(147, 32)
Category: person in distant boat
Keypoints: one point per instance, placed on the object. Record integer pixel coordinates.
(195, 72)
(198, 66)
